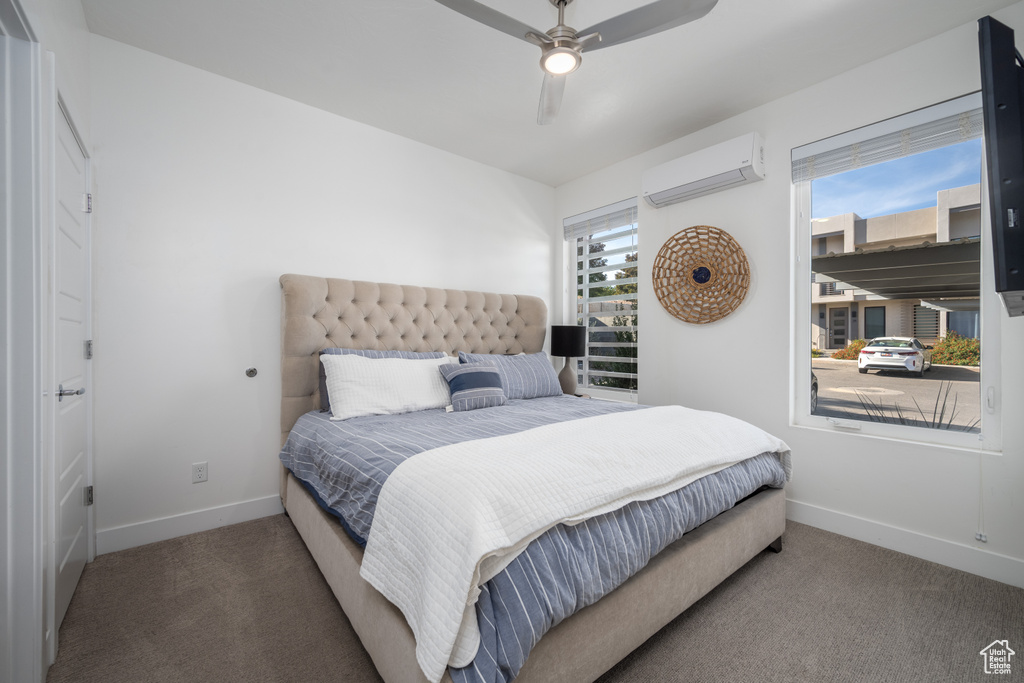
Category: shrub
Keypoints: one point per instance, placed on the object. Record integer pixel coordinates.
(851, 351)
(954, 349)
(817, 353)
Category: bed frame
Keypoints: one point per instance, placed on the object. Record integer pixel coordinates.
(319, 313)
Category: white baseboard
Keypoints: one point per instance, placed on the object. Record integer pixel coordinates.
(151, 531)
(956, 555)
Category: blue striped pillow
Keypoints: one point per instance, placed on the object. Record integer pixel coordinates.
(473, 385)
(522, 376)
(325, 404)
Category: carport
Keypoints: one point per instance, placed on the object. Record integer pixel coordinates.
(932, 272)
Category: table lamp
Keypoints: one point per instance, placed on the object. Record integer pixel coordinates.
(568, 341)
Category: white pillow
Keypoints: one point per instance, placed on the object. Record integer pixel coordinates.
(358, 386)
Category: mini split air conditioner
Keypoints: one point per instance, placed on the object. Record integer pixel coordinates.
(731, 163)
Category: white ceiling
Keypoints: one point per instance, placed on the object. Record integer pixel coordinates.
(423, 71)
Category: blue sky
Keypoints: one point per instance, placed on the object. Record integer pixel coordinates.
(900, 185)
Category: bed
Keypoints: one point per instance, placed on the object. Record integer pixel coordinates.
(321, 313)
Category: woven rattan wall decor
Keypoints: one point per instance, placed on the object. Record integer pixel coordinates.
(701, 274)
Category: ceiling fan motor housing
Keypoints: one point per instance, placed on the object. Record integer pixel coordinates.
(562, 54)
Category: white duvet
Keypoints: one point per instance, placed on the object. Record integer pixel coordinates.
(449, 519)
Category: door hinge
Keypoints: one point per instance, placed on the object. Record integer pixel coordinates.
(87, 202)
(88, 349)
(88, 495)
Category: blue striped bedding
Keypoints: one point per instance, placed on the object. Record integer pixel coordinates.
(346, 463)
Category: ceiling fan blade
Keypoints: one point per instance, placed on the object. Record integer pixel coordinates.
(648, 20)
(493, 18)
(550, 99)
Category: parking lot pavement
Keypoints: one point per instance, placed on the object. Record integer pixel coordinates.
(845, 393)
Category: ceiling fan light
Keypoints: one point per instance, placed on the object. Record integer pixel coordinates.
(559, 61)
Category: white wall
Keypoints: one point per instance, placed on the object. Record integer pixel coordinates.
(919, 499)
(208, 190)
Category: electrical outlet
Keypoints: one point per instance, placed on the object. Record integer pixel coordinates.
(200, 472)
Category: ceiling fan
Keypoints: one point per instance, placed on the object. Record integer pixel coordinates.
(562, 46)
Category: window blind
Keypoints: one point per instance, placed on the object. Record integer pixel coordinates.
(605, 265)
(618, 215)
(923, 130)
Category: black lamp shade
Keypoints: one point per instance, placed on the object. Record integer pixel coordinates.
(568, 341)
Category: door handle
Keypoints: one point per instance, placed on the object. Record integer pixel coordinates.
(62, 392)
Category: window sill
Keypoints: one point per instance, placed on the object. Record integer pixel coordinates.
(954, 441)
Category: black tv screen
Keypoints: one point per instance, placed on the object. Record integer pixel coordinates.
(1002, 86)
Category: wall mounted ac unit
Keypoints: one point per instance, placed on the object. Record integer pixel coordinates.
(731, 163)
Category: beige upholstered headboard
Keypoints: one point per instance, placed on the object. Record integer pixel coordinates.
(319, 313)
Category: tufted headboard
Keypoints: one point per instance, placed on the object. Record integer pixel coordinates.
(319, 313)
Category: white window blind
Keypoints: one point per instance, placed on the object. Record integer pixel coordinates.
(605, 264)
(937, 126)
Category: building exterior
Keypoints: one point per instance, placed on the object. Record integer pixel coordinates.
(914, 274)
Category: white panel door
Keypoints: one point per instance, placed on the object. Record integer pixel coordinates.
(71, 308)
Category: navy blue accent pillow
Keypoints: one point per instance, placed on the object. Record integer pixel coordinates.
(522, 376)
(325, 403)
(473, 385)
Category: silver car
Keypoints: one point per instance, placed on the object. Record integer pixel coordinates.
(902, 354)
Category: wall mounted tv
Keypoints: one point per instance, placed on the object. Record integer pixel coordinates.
(1002, 89)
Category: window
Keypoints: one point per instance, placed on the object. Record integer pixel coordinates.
(874, 321)
(829, 289)
(889, 223)
(604, 265)
(964, 323)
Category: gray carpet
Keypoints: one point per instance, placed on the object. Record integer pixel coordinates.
(246, 603)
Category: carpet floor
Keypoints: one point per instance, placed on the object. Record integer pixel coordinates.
(247, 603)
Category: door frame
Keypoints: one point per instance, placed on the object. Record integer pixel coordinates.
(23, 655)
(28, 88)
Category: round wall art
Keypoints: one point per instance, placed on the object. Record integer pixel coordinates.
(701, 274)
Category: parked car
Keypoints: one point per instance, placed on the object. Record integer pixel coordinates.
(902, 354)
(814, 392)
